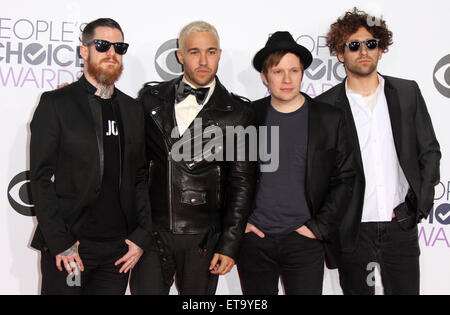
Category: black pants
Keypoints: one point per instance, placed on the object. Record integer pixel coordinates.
(179, 256)
(100, 276)
(297, 259)
(394, 250)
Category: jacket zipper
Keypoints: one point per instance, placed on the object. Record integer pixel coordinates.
(201, 158)
(169, 161)
(219, 193)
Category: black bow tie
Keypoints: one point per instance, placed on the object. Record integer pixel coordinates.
(184, 90)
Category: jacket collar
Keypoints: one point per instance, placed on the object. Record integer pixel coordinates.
(90, 89)
(262, 110)
(393, 103)
(394, 114)
(220, 99)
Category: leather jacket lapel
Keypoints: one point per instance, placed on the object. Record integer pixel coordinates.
(220, 101)
(163, 112)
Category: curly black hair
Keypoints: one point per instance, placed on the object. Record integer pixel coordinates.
(350, 23)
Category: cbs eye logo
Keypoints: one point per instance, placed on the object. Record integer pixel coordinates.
(441, 76)
(166, 62)
(19, 194)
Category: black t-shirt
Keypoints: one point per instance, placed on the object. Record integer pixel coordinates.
(281, 206)
(106, 220)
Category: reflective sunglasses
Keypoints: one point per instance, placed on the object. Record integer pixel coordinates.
(355, 45)
(103, 46)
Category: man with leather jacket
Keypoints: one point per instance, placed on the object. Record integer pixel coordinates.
(199, 205)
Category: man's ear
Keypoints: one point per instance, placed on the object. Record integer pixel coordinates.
(180, 57)
(340, 57)
(84, 52)
(264, 79)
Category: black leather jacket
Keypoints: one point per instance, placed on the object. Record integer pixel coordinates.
(197, 196)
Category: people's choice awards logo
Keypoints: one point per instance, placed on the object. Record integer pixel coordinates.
(19, 194)
(441, 76)
(443, 214)
(39, 53)
(441, 210)
(436, 232)
(166, 62)
(325, 70)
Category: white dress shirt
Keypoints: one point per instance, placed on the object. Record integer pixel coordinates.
(187, 110)
(386, 184)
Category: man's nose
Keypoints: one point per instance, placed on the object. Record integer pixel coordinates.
(203, 60)
(287, 77)
(363, 51)
(111, 51)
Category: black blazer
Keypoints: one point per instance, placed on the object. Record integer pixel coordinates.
(66, 160)
(417, 150)
(329, 174)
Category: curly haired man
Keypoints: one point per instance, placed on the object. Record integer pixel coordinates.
(396, 161)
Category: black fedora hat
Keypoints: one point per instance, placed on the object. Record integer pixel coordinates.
(282, 41)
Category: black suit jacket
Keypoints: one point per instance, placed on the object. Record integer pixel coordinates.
(330, 169)
(66, 160)
(417, 150)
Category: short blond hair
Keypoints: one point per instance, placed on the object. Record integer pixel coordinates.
(197, 26)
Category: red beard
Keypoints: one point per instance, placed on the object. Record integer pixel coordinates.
(104, 75)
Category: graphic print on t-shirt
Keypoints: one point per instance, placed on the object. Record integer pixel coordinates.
(112, 129)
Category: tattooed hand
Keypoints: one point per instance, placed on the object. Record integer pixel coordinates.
(71, 260)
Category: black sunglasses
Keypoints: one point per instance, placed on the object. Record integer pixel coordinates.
(355, 45)
(103, 46)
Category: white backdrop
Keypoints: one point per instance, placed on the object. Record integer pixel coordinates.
(38, 50)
